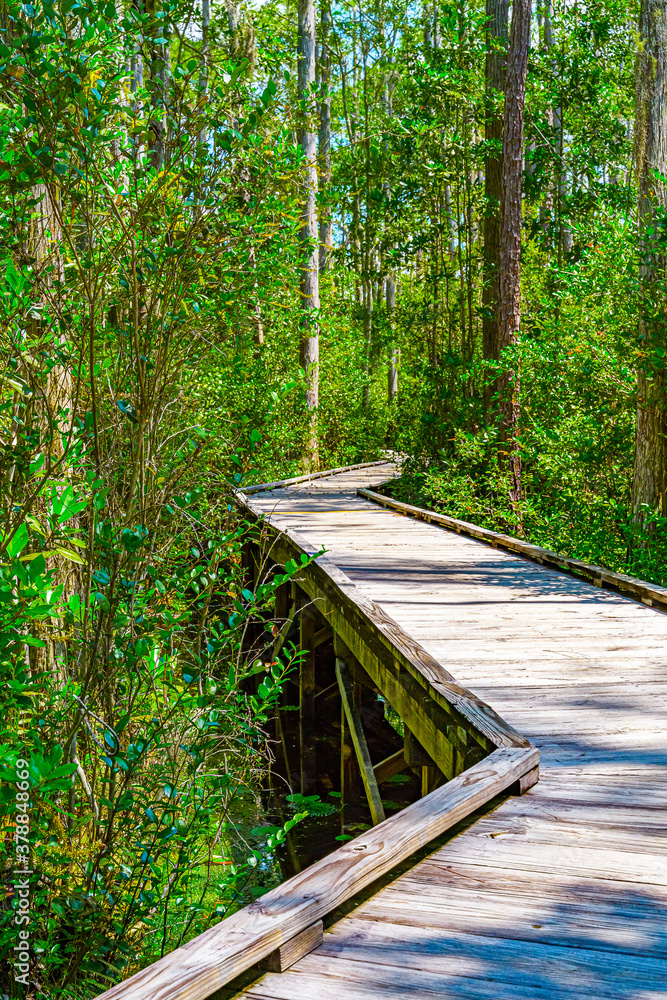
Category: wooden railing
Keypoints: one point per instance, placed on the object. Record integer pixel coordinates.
(462, 738)
(648, 593)
(295, 480)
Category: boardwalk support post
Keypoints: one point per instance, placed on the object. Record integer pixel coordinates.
(359, 740)
(307, 643)
(307, 629)
(284, 957)
(283, 604)
(417, 758)
(527, 781)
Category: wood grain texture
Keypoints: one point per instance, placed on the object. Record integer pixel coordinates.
(360, 745)
(460, 953)
(325, 977)
(283, 958)
(210, 960)
(390, 766)
(559, 893)
(648, 593)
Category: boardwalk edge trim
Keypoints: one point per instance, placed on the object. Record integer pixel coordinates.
(208, 961)
(199, 968)
(295, 480)
(651, 594)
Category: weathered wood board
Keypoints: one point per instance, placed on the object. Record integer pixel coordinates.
(208, 961)
(563, 892)
(282, 925)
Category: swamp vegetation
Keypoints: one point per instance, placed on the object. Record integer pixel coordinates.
(240, 242)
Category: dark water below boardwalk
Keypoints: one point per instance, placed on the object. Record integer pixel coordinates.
(306, 776)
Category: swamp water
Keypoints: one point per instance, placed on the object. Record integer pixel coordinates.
(315, 770)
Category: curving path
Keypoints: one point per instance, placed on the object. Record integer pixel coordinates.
(561, 893)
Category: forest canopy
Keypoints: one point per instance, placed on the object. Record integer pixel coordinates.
(240, 242)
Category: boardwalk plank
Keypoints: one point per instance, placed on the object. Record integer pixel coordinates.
(551, 910)
(319, 977)
(454, 953)
(560, 893)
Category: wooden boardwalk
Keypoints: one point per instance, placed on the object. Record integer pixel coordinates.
(558, 894)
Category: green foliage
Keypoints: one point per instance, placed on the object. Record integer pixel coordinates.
(133, 689)
(134, 842)
(151, 192)
(313, 805)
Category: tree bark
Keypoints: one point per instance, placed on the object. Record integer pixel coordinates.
(326, 227)
(368, 240)
(156, 64)
(57, 405)
(509, 283)
(451, 221)
(368, 331)
(205, 56)
(547, 209)
(310, 289)
(392, 370)
(650, 156)
(497, 29)
(427, 15)
(257, 319)
(390, 281)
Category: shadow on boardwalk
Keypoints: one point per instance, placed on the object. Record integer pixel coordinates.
(579, 940)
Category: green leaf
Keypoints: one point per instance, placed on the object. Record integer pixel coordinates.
(257, 668)
(18, 541)
(127, 409)
(68, 554)
(131, 540)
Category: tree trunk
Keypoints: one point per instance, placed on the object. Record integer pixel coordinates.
(232, 19)
(451, 222)
(392, 370)
(650, 156)
(257, 319)
(157, 62)
(547, 209)
(390, 282)
(355, 242)
(427, 15)
(509, 284)
(368, 331)
(310, 289)
(57, 416)
(326, 227)
(496, 57)
(205, 55)
(235, 51)
(437, 38)
(367, 253)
